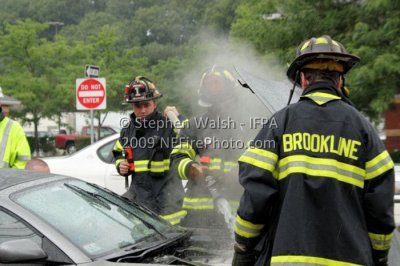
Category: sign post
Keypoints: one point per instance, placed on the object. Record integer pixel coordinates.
(91, 95)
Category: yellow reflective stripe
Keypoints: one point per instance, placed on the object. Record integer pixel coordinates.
(308, 260)
(380, 241)
(319, 167)
(141, 165)
(185, 148)
(118, 146)
(182, 168)
(378, 165)
(247, 229)
(6, 130)
(155, 166)
(321, 40)
(184, 122)
(159, 166)
(198, 203)
(119, 161)
(24, 158)
(260, 158)
(215, 164)
(322, 97)
(305, 45)
(174, 218)
(228, 166)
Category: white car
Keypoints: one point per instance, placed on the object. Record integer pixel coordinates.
(397, 195)
(94, 163)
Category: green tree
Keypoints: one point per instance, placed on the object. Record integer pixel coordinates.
(32, 70)
(376, 39)
(367, 28)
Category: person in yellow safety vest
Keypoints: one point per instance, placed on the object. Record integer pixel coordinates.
(14, 147)
(322, 194)
(201, 153)
(142, 152)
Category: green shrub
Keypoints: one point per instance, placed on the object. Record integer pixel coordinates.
(45, 144)
(82, 142)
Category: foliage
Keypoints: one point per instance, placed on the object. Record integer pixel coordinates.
(369, 29)
(81, 143)
(46, 144)
(29, 66)
(44, 45)
(376, 39)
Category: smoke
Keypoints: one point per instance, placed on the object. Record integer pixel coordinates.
(246, 111)
(219, 50)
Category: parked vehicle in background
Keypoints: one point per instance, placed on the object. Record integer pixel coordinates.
(48, 219)
(67, 142)
(43, 145)
(41, 134)
(397, 195)
(94, 163)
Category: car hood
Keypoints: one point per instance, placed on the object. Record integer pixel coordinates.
(108, 263)
(394, 256)
(199, 247)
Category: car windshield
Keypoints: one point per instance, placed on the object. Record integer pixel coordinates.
(98, 222)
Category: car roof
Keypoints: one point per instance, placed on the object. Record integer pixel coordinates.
(11, 177)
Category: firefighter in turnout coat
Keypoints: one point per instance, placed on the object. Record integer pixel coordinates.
(200, 155)
(143, 150)
(322, 194)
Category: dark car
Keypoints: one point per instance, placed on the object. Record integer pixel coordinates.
(49, 219)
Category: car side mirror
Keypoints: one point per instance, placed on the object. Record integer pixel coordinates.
(20, 250)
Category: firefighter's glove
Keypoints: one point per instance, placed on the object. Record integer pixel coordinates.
(380, 257)
(197, 172)
(171, 109)
(243, 256)
(123, 168)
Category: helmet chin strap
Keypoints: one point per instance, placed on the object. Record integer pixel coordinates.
(294, 87)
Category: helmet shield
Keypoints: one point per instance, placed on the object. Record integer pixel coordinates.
(141, 89)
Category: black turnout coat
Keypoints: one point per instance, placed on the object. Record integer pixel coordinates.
(318, 186)
(152, 184)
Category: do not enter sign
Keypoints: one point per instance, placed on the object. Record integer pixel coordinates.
(90, 93)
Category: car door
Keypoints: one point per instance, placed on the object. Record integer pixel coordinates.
(14, 228)
(112, 179)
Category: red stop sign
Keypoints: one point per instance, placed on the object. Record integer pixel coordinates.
(90, 93)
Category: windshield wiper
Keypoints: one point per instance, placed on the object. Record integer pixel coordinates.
(148, 224)
(138, 253)
(95, 198)
(137, 205)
